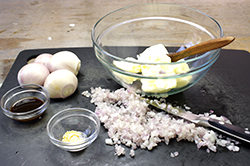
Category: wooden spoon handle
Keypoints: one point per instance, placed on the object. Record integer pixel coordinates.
(201, 48)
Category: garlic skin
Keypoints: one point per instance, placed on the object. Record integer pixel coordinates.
(43, 58)
(61, 83)
(32, 73)
(64, 60)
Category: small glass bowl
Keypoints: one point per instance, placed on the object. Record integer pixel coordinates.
(128, 31)
(21, 92)
(76, 119)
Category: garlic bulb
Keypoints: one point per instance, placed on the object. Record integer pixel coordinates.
(61, 83)
(64, 60)
(32, 73)
(43, 58)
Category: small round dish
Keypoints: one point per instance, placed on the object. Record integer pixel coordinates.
(20, 95)
(73, 119)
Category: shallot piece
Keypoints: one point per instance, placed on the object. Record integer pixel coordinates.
(32, 73)
(174, 154)
(43, 58)
(61, 83)
(132, 153)
(119, 150)
(130, 122)
(109, 141)
(65, 60)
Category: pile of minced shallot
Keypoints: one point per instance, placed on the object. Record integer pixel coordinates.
(130, 122)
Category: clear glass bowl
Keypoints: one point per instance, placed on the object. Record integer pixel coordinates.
(21, 92)
(76, 119)
(126, 32)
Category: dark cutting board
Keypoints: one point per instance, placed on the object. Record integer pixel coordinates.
(225, 89)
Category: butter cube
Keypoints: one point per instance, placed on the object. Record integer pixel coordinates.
(127, 66)
(182, 68)
(158, 85)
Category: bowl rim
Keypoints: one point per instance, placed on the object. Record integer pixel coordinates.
(45, 93)
(148, 63)
(86, 141)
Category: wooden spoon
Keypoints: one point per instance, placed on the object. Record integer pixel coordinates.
(201, 48)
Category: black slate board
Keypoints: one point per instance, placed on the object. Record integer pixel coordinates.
(224, 89)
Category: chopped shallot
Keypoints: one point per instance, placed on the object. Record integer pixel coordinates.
(109, 141)
(131, 122)
(174, 154)
(119, 150)
(132, 153)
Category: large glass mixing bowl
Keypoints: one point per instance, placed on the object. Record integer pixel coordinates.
(128, 31)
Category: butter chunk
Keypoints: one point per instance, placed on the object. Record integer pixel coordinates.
(158, 85)
(126, 79)
(179, 69)
(183, 81)
(156, 53)
(158, 70)
(127, 66)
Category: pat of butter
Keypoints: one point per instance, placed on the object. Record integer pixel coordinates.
(126, 79)
(158, 54)
(155, 54)
(130, 67)
(127, 66)
(72, 136)
(158, 85)
(182, 68)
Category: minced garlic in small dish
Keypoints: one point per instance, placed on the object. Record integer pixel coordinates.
(73, 136)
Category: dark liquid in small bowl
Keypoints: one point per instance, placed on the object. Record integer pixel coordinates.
(26, 104)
